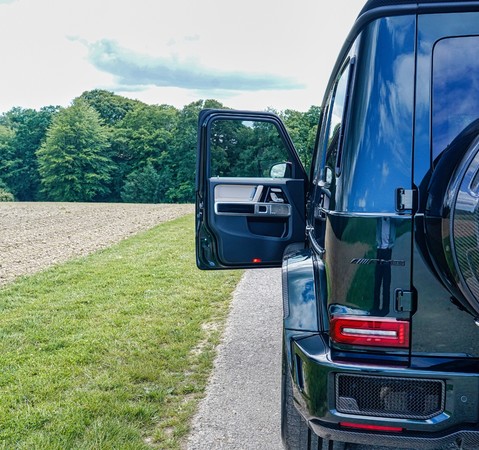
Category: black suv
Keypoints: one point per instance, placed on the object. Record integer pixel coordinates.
(379, 244)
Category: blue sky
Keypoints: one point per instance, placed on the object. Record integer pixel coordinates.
(251, 54)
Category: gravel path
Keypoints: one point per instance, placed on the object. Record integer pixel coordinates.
(34, 236)
(241, 410)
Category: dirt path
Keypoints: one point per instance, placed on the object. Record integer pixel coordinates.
(241, 410)
(34, 236)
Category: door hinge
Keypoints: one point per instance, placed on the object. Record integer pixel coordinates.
(405, 199)
(405, 300)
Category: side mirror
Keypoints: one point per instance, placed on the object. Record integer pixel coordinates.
(327, 178)
(329, 175)
(280, 170)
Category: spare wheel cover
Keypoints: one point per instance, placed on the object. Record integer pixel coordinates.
(462, 248)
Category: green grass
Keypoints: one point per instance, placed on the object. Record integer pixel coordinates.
(111, 351)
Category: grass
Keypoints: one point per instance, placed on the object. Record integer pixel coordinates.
(111, 351)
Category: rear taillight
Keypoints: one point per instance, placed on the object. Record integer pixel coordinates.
(362, 426)
(371, 331)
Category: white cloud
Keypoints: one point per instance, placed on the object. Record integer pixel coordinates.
(297, 42)
(136, 69)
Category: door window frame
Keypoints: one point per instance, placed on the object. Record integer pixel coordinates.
(347, 71)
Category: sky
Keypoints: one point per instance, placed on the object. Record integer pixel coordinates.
(248, 54)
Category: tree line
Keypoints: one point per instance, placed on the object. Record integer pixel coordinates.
(108, 148)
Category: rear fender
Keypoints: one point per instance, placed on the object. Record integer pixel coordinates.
(300, 293)
(301, 298)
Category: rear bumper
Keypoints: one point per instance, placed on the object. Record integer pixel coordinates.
(453, 414)
(467, 439)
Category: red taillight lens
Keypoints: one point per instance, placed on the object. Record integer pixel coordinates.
(372, 331)
(362, 426)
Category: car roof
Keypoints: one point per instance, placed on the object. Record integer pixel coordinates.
(373, 4)
(375, 9)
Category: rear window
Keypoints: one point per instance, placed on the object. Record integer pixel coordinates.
(455, 97)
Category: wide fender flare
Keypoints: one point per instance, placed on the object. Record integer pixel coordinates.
(300, 293)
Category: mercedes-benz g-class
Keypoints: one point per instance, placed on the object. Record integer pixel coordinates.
(378, 243)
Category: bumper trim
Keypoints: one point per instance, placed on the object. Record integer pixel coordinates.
(316, 400)
(427, 441)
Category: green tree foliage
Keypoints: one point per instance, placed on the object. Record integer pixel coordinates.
(144, 136)
(245, 149)
(22, 131)
(6, 154)
(111, 107)
(142, 186)
(264, 148)
(72, 160)
(302, 129)
(183, 167)
(5, 194)
(105, 147)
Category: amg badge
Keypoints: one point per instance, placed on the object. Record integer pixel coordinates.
(379, 262)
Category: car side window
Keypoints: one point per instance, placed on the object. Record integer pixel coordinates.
(332, 130)
(338, 116)
(328, 151)
(243, 148)
(321, 142)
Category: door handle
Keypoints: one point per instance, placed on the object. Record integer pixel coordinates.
(272, 209)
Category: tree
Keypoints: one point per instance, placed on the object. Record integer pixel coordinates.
(104, 145)
(72, 160)
(18, 162)
(5, 194)
(181, 188)
(145, 135)
(111, 107)
(142, 186)
(302, 129)
(6, 154)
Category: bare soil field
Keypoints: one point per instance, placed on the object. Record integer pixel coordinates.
(34, 236)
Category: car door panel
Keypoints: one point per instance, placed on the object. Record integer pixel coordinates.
(254, 229)
(247, 221)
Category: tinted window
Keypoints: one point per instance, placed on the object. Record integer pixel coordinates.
(336, 121)
(338, 105)
(242, 148)
(319, 156)
(455, 89)
(331, 128)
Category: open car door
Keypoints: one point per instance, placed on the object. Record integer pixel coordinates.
(250, 190)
